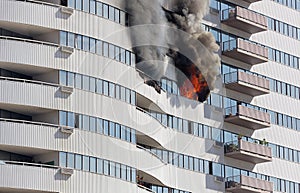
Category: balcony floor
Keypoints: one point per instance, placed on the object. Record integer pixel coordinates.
(248, 157)
(245, 56)
(246, 88)
(244, 25)
(245, 189)
(246, 122)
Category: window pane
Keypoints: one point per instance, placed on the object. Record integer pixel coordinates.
(93, 6)
(123, 55)
(86, 83)
(99, 50)
(128, 57)
(99, 166)
(78, 4)
(118, 131)
(78, 162)
(111, 13)
(123, 172)
(111, 51)
(127, 95)
(117, 92)
(99, 8)
(122, 93)
(111, 89)
(112, 169)
(106, 167)
(117, 15)
(99, 89)
(118, 170)
(63, 118)
(71, 160)
(86, 43)
(78, 41)
(93, 84)
(105, 11)
(86, 6)
(86, 123)
(71, 39)
(93, 164)
(93, 45)
(86, 163)
(62, 159)
(132, 100)
(71, 119)
(92, 124)
(99, 125)
(71, 77)
(105, 88)
(106, 127)
(112, 129)
(63, 78)
(63, 38)
(105, 49)
(78, 81)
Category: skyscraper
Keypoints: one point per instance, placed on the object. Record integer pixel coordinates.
(79, 114)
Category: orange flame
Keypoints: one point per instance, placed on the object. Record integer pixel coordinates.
(194, 85)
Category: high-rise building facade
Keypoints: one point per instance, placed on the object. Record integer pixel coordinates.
(77, 115)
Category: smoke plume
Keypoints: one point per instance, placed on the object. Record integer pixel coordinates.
(175, 31)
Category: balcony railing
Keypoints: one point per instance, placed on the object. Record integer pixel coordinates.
(247, 117)
(247, 151)
(246, 83)
(3, 162)
(244, 19)
(245, 51)
(246, 184)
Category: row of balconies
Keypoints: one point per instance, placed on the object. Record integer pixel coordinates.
(252, 54)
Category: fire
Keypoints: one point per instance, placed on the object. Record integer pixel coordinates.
(195, 86)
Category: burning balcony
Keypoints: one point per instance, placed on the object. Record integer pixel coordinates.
(245, 51)
(244, 19)
(247, 117)
(247, 151)
(246, 184)
(246, 83)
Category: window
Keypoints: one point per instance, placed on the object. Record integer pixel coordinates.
(117, 15)
(105, 49)
(123, 172)
(63, 38)
(92, 124)
(86, 43)
(78, 162)
(86, 5)
(112, 129)
(63, 118)
(93, 6)
(118, 131)
(118, 170)
(111, 13)
(92, 45)
(99, 166)
(106, 167)
(99, 88)
(99, 125)
(99, 8)
(71, 40)
(92, 84)
(132, 95)
(92, 164)
(106, 129)
(105, 11)
(78, 4)
(99, 50)
(111, 89)
(111, 51)
(63, 159)
(105, 88)
(112, 169)
(71, 160)
(78, 81)
(86, 163)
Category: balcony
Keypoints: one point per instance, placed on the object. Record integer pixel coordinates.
(247, 83)
(245, 51)
(247, 151)
(247, 117)
(244, 19)
(246, 184)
